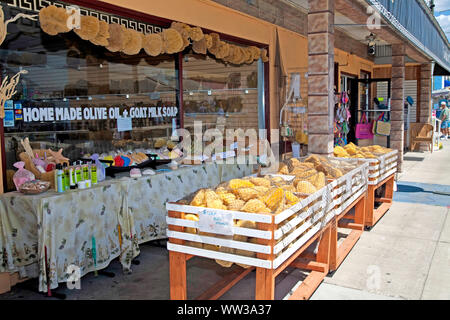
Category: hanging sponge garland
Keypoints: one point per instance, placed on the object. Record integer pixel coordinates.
(117, 38)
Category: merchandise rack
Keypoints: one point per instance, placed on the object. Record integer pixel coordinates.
(282, 240)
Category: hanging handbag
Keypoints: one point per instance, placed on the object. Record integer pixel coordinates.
(364, 129)
(383, 126)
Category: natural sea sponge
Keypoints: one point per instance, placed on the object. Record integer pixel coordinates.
(260, 181)
(199, 199)
(132, 43)
(229, 57)
(256, 53)
(185, 32)
(116, 37)
(215, 43)
(264, 57)
(152, 44)
(255, 206)
(306, 187)
(200, 46)
(172, 41)
(240, 56)
(89, 28)
(248, 56)
(247, 193)
(103, 35)
(53, 20)
(223, 50)
(196, 34)
(236, 205)
(209, 41)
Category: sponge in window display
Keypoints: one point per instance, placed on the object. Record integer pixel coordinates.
(224, 49)
(196, 34)
(200, 46)
(153, 44)
(172, 41)
(102, 38)
(215, 43)
(116, 39)
(209, 41)
(89, 28)
(132, 43)
(53, 20)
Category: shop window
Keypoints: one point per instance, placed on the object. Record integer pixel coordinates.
(74, 91)
(220, 95)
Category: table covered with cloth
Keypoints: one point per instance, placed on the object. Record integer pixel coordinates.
(91, 227)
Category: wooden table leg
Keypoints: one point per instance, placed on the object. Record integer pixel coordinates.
(333, 245)
(265, 284)
(178, 290)
(389, 191)
(360, 211)
(370, 205)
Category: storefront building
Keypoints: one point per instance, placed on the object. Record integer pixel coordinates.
(75, 90)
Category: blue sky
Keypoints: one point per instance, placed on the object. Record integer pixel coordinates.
(442, 13)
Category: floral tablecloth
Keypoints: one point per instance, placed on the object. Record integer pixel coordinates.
(107, 221)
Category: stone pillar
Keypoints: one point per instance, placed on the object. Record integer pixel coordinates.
(425, 93)
(320, 76)
(397, 101)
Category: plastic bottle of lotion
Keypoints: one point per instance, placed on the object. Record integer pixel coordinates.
(72, 177)
(59, 178)
(85, 171)
(78, 173)
(93, 173)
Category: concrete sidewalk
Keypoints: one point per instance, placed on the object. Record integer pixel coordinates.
(405, 256)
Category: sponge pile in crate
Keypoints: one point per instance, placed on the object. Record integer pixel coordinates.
(295, 197)
(353, 151)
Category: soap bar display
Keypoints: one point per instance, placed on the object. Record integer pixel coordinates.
(34, 187)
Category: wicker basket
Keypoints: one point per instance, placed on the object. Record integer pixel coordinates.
(29, 165)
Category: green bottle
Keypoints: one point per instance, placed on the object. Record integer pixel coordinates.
(86, 172)
(93, 173)
(66, 177)
(78, 173)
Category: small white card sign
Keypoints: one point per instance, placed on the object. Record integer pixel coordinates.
(216, 222)
(124, 124)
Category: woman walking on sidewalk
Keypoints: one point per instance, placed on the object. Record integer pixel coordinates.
(444, 117)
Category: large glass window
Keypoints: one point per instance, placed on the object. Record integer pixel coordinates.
(74, 91)
(219, 94)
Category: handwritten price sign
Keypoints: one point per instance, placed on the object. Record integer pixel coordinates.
(216, 222)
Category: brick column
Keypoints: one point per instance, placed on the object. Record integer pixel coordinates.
(320, 76)
(397, 101)
(425, 93)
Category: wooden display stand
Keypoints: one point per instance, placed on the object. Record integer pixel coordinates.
(265, 278)
(338, 252)
(372, 214)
